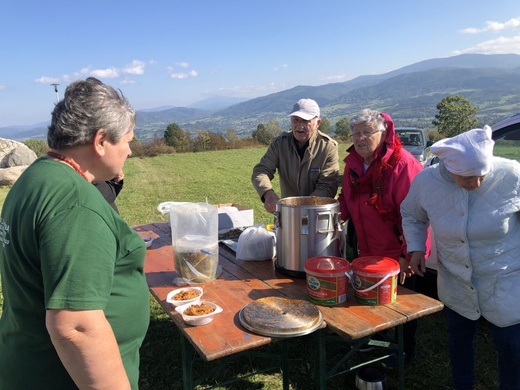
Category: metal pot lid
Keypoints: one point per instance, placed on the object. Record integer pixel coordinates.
(281, 317)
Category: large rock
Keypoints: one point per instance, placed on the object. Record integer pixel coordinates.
(9, 175)
(14, 158)
(19, 156)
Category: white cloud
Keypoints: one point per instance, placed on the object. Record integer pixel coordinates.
(281, 67)
(501, 45)
(179, 76)
(109, 73)
(492, 26)
(136, 67)
(2, 87)
(47, 80)
(182, 75)
(183, 64)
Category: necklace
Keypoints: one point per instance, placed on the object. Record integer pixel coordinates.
(68, 161)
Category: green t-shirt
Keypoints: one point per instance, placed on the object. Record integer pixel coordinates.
(63, 247)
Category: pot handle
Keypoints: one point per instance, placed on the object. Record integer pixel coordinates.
(330, 224)
(277, 220)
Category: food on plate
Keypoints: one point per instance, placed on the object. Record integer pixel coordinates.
(199, 310)
(184, 295)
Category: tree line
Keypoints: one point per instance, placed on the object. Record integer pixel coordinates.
(455, 115)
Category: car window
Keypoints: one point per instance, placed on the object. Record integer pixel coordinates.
(508, 145)
(410, 137)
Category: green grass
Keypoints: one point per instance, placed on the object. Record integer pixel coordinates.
(224, 177)
(218, 177)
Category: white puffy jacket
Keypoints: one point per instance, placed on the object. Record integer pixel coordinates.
(477, 234)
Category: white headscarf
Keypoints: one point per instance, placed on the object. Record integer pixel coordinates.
(467, 154)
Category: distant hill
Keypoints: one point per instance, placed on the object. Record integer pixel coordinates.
(23, 132)
(216, 103)
(410, 94)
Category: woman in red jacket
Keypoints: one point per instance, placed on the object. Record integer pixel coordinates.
(377, 177)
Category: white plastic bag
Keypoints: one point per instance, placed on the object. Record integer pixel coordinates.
(194, 228)
(256, 243)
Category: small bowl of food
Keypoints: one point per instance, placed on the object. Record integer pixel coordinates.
(198, 313)
(148, 241)
(185, 295)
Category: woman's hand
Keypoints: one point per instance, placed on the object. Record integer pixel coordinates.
(417, 263)
(406, 270)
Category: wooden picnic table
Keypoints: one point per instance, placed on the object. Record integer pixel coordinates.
(242, 282)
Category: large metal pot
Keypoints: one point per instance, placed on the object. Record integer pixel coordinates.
(305, 226)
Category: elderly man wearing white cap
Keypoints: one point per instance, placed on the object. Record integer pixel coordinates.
(306, 159)
(471, 199)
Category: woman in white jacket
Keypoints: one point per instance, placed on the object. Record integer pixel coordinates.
(471, 200)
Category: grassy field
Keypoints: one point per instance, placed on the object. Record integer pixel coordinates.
(224, 177)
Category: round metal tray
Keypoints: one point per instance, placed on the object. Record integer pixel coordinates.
(281, 317)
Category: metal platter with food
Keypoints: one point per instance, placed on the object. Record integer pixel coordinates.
(281, 317)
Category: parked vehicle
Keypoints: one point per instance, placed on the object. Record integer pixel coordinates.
(416, 141)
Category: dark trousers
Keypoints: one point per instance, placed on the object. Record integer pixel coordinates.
(461, 335)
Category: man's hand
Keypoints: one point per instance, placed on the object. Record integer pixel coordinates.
(270, 201)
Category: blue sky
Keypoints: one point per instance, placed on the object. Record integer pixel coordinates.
(178, 52)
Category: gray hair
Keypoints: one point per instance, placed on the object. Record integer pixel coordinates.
(89, 105)
(368, 116)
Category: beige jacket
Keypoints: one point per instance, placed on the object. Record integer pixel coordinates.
(316, 174)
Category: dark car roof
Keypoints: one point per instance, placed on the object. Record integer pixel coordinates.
(508, 128)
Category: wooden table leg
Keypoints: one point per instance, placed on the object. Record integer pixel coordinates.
(285, 363)
(320, 369)
(187, 369)
(400, 355)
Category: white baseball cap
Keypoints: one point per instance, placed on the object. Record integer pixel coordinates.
(306, 109)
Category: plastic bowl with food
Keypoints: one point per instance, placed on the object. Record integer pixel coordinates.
(185, 295)
(148, 241)
(198, 313)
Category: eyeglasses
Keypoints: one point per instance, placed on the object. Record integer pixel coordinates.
(364, 134)
(300, 121)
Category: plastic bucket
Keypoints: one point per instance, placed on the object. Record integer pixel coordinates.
(374, 280)
(327, 279)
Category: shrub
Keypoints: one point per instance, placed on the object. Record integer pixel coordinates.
(156, 147)
(38, 146)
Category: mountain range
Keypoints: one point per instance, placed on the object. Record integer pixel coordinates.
(410, 94)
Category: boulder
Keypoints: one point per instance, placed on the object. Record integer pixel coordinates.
(20, 155)
(14, 158)
(6, 145)
(9, 175)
